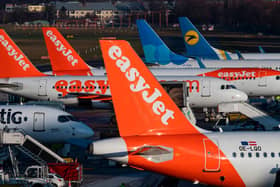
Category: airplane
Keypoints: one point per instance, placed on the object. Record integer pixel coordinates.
(46, 124)
(162, 140)
(203, 91)
(156, 52)
(261, 82)
(197, 46)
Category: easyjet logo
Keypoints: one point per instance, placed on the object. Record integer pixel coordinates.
(61, 48)
(19, 58)
(77, 86)
(237, 74)
(138, 84)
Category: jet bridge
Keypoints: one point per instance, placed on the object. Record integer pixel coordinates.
(253, 113)
(179, 93)
(31, 147)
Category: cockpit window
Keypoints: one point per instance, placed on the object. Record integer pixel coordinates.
(232, 86)
(62, 119)
(65, 118)
(228, 86)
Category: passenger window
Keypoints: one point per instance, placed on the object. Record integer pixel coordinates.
(242, 154)
(272, 154)
(257, 154)
(223, 87)
(234, 154)
(62, 119)
(265, 154)
(249, 154)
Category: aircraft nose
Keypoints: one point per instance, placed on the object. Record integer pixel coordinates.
(240, 96)
(83, 131)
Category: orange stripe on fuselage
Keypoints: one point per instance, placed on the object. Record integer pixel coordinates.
(188, 159)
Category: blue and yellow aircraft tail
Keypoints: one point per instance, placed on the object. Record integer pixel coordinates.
(197, 45)
(155, 50)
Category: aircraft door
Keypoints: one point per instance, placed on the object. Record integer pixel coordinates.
(212, 155)
(205, 88)
(39, 121)
(42, 87)
(262, 79)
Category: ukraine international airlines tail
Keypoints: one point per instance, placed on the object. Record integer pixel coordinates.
(164, 141)
(197, 46)
(64, 59)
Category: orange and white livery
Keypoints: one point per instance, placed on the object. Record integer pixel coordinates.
(253, 81)
(64, 59)
(33, 84)
(19, 64)
(177, 148)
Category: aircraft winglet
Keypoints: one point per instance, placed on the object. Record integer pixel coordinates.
(141, 105)
(64, 59)
(14, 63)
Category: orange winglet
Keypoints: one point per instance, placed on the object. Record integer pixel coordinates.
(64, 59)
(14, 63)
(137, 96)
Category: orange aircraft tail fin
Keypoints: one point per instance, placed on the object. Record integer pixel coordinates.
(141, 105)
(64, 59)
(14, 62)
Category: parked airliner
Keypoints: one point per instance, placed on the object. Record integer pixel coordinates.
(253, 81)
(162, 140)
(45, 124)
(203, 91)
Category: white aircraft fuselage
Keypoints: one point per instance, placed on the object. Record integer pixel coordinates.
(46, 124)
(203, 91)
